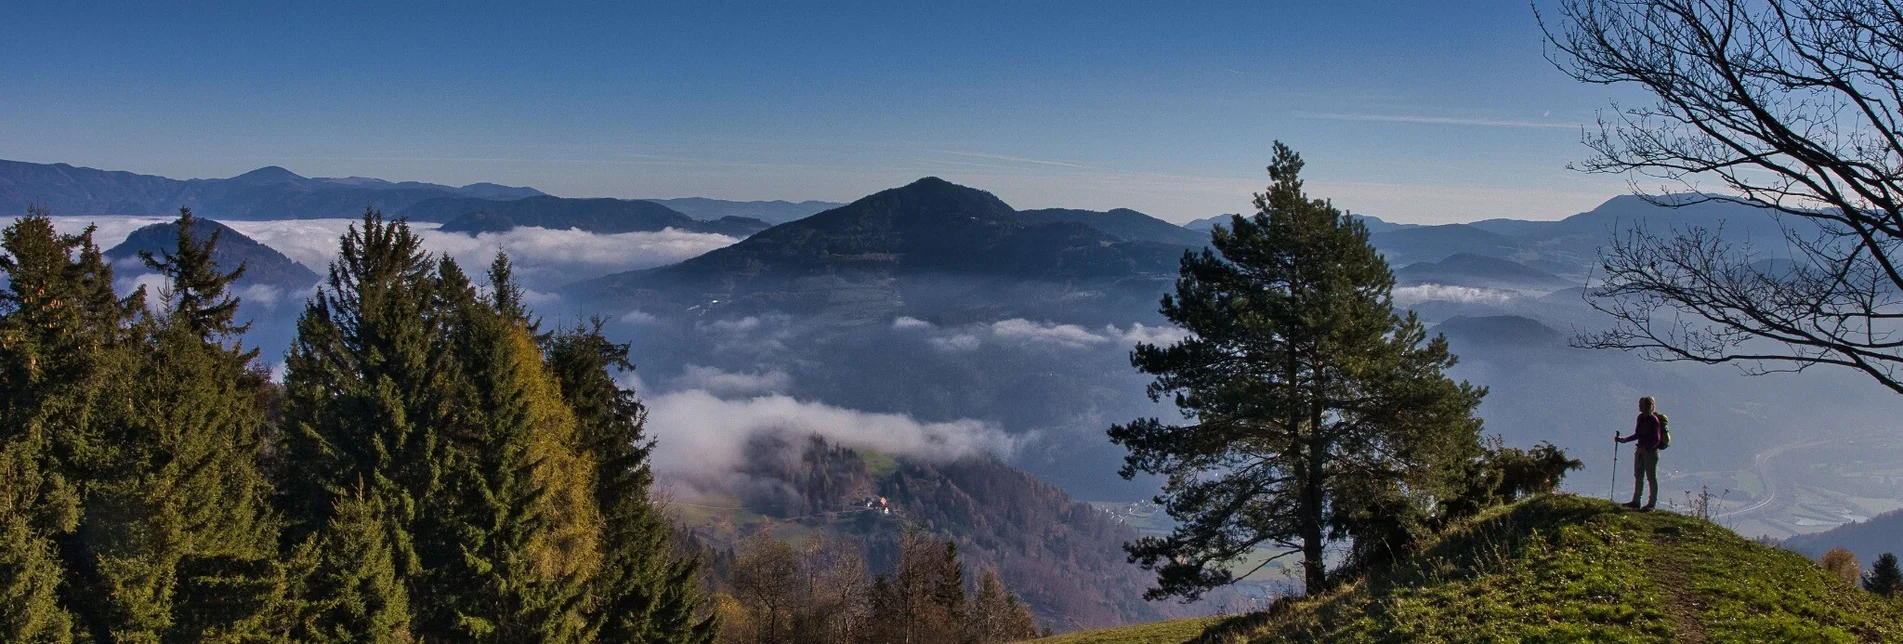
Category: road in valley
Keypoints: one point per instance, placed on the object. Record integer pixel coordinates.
(1760, 467)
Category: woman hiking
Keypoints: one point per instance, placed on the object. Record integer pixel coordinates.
(1645, 456)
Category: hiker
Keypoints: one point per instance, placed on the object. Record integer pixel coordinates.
(1645, 457)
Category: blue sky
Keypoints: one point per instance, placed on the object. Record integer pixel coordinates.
(1424, 112)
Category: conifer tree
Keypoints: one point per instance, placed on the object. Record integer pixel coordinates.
(1313, 411)
(183, 502)
(63, 379)
(368, 386)
(348, 579)
(529, 527)
(198, 297)
(366, 376)
(1884, 578)
(642, 592)
(30, 570)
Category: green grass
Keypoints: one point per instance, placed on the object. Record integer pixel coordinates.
(1170, 632)
(878, 465)
(1572, 569)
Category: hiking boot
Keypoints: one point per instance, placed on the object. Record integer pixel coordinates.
(1634, 505)
(1648, 507)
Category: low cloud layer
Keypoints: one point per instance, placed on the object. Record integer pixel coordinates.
(545, 259)
(1410, 295)
(1029, 333)
(698, 432)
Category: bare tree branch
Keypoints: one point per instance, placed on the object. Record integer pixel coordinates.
(1792, 107)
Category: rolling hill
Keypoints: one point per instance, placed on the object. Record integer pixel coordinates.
(1434, 243)
(1564, 568)
(263, 264)
(896, 248)
(1123, 223)
(1063, 557)
(1882, 533)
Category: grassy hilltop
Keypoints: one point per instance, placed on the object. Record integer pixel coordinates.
(1566, 568)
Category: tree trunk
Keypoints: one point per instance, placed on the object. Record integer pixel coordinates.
(1312, 565)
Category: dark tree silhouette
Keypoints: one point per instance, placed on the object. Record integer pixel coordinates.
(1884, 578)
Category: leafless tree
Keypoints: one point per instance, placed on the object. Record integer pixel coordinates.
(1792, 107)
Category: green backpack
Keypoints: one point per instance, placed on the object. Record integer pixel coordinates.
(1665, 432)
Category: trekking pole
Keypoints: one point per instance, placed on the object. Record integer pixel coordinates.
(1612, 493)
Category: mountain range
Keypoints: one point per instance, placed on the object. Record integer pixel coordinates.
(472, 215)
(265, 193)
(772, 212)
(274, 192)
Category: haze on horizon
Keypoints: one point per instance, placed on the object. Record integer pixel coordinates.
(1413, 114)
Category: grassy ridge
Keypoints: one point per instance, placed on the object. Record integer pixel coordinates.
(1564, 568)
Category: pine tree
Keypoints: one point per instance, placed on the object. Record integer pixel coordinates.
(529, 530)
(348, 578)
(1317, 413)
(1884, 578)
(948, 585)
(183, 502)
(642, 592)
(197, 285)
(30, 570)
(366, 376)
(64, 368)
(368, 389)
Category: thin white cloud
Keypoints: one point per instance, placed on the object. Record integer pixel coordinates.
(905, 322)
(956, 343)
(1064, 335)
(1021, 332)
(730, 383)
(1435, 120)
(1140, 333)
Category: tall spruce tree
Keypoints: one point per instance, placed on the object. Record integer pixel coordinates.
(366, 379)
(64, 368)
(529, 533)
(183, 504)
(643, 593)
(368, 386)
(1313, 411)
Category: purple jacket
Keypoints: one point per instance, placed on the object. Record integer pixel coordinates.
(1646, 433)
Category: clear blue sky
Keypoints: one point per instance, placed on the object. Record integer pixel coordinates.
(1425, 112)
